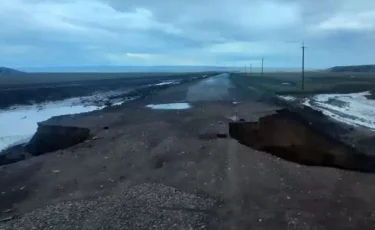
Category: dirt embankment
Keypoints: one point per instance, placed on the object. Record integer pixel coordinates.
(49, 138)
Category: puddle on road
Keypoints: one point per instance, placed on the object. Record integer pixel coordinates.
(170, 106)
(213, 88)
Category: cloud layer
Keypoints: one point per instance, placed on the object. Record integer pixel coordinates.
(180, 32)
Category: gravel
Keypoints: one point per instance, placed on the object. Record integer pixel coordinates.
(145, 206)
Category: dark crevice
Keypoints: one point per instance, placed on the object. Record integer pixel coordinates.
(291, 137)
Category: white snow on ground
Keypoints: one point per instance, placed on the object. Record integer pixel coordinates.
(171, 106)
(172, 82)
(354, 109)
(286, 83)
(20, 123)
(288, 98)
(101, 97)
(10, 141)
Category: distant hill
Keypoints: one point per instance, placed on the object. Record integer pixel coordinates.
(9, 71)
(11, 76)
(354, 68)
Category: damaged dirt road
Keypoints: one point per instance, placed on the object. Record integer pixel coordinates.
(144, 168)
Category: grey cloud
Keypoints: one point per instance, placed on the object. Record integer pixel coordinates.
(195, 31)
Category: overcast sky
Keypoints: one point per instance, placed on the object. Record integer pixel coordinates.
(186, 32)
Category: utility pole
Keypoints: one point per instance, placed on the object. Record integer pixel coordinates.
(262, 66)
(303, 65)
(251, 69)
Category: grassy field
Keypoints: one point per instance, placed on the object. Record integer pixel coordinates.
(317, 82)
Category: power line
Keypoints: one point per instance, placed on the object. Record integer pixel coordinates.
(303, 65)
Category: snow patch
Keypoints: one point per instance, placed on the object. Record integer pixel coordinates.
(122, 101)
(171, 106)
(288, 98)
(10, 141)
(172, 82)
(20, 123)
(354, 108)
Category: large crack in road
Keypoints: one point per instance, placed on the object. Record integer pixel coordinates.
(290, 136)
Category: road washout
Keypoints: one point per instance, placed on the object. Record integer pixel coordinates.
(290, 136)
(353, 109)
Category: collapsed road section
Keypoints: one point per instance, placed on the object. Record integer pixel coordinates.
(289, 136)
